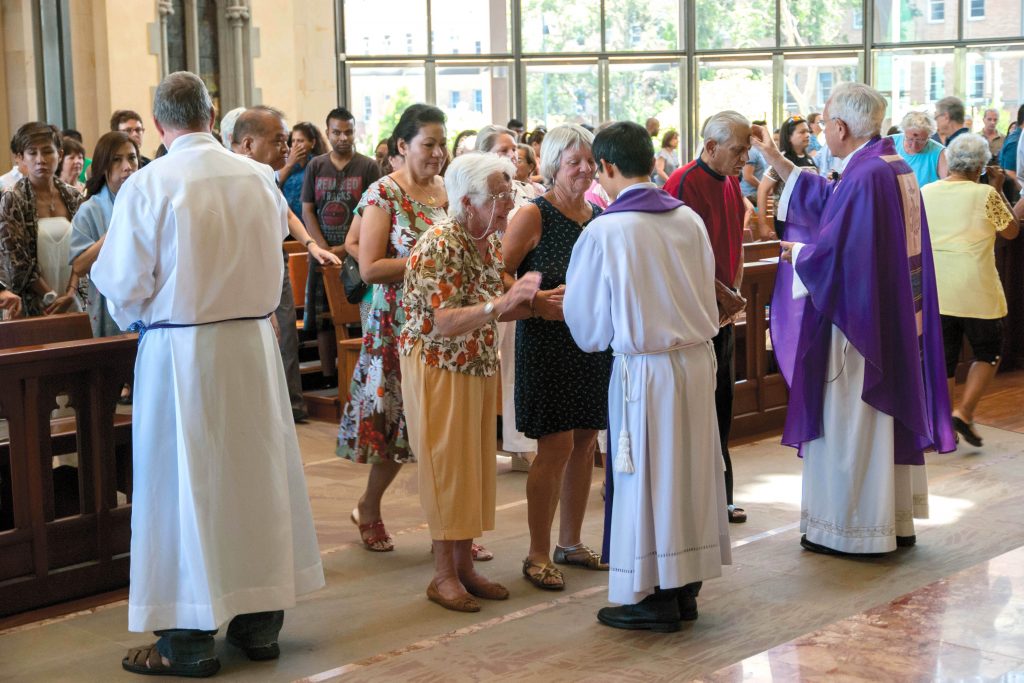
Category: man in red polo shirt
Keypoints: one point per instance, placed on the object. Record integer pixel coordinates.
(710, 186)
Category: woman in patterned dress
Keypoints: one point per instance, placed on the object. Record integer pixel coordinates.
(561, 393)
(454, 295)
(394, 212)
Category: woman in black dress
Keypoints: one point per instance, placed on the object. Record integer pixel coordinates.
(561, 393)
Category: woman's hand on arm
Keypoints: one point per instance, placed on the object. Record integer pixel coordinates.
(374, 268)
(83, 262)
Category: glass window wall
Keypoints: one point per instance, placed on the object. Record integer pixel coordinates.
(588, 60)
(639, 91)
(642, 25)
(557, 26)
(740, 84)
(379, 96)
(561, 93)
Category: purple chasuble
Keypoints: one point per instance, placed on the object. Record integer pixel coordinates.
(869, 270)
(643, 200)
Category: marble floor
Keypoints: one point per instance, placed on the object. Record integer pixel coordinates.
(950, 608)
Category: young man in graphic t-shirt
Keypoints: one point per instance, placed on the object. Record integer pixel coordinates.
(332, 188)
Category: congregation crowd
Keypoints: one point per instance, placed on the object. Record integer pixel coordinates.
(588, 276)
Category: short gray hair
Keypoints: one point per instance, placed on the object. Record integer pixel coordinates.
(720, 127)
(227, 126)
(918, 120)
(487, 137)
(953, 107)
(468, 174)
(559, 139)
(990, 109)
(860, 107)
(967, 154)
(182, 102)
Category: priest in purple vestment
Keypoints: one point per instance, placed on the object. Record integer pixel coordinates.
(855, 327)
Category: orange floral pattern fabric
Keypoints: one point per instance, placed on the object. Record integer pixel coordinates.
(446, 270)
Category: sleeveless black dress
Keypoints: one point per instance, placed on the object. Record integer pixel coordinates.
(558, 387)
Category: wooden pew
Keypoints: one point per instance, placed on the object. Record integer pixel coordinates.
(761, 395)
(298, 271)
(343, 314)
(756, 251)
(46, 558)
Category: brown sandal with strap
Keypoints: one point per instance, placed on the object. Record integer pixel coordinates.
(541, 579)
(148, 662)
(374, 536)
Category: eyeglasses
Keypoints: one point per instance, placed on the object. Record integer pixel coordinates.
(795, 119)
(500, 197)
(140, 129)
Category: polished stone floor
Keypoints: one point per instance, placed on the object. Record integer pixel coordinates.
(950, 608)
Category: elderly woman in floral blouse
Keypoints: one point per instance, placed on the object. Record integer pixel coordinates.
(449, 359)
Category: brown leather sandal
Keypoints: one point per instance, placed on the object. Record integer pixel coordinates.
(542, 578)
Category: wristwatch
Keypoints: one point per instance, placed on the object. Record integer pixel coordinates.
(308, 242)
(489, 309)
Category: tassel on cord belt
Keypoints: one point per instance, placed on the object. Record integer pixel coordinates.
(623, 453)
(142, 328)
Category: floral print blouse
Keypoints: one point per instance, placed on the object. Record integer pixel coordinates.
(445, 270)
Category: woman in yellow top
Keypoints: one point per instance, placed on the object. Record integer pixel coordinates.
(454, 294)
(964, 218)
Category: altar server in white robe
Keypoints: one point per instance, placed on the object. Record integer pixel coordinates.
(221, 523)
(641, 280)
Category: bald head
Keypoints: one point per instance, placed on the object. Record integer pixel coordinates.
(261, 134)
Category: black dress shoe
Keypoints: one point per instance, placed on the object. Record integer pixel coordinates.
(825, 550)
(657, 612)
(906, 541)
(687, 599)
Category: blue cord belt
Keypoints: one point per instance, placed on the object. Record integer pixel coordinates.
(142, 328)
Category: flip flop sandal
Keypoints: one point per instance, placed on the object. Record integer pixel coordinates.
(374, 536)
(148, 662)
(541, 579)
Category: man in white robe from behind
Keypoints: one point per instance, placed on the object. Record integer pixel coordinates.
(221, 523)
(641, 280)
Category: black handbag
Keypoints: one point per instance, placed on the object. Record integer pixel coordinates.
(354, 286)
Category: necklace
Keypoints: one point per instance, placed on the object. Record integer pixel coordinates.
(431, 199)
(50, 202)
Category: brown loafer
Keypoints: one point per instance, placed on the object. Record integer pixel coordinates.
(488, 591)
(460, 604)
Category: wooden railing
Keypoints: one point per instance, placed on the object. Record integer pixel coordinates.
(48, 553)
